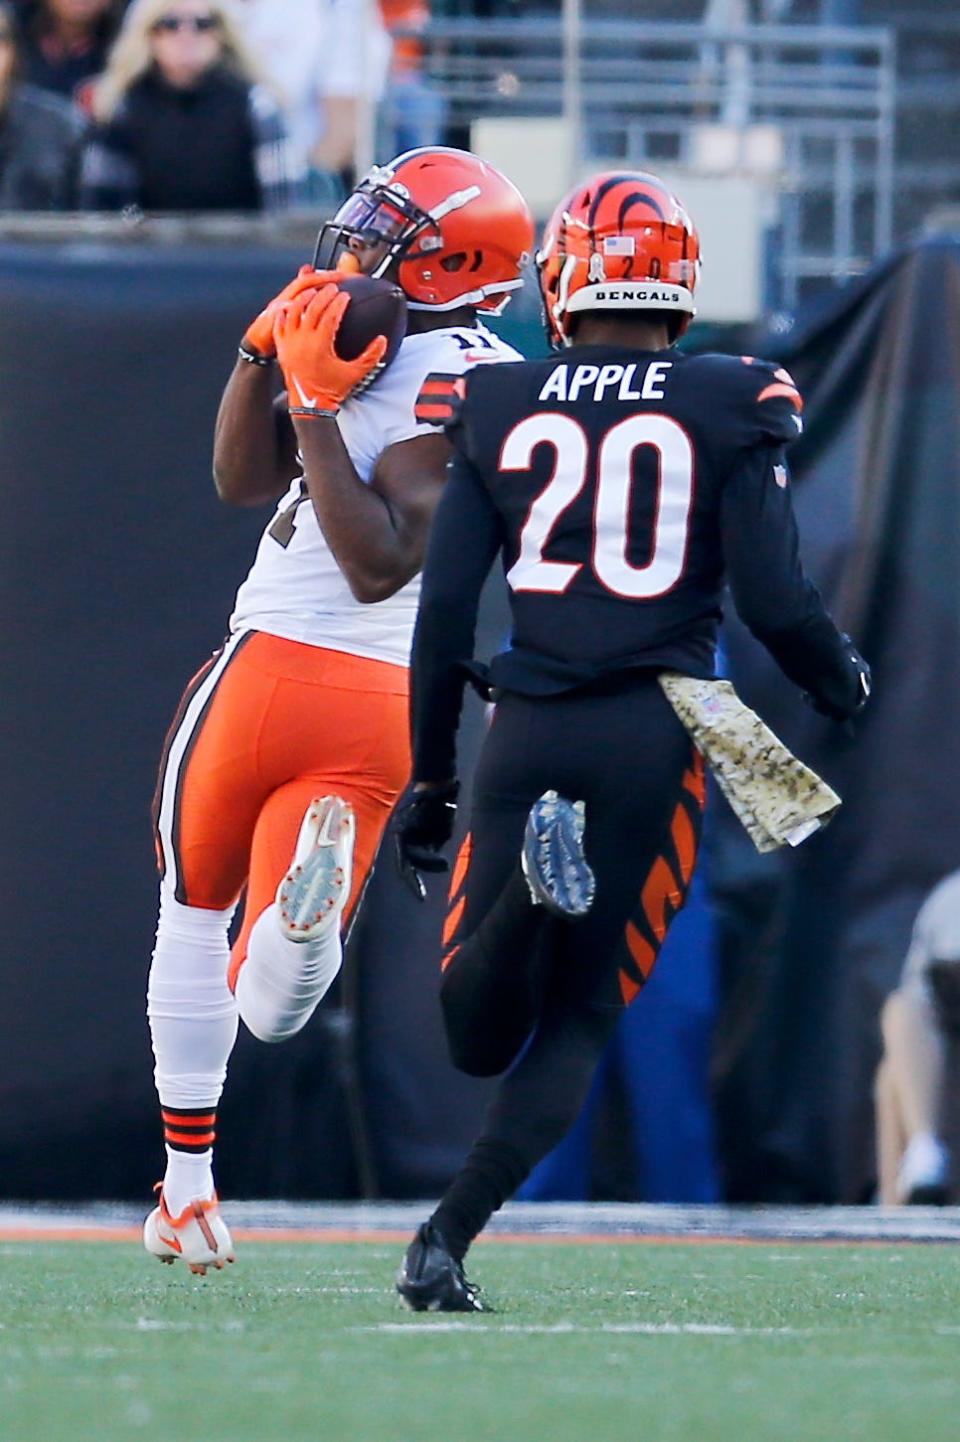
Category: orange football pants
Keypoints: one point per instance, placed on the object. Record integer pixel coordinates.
(262, 729)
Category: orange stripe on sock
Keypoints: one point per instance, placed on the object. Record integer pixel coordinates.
(179, 1119)
(190, 1139)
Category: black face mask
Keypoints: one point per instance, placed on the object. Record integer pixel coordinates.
(372, 215)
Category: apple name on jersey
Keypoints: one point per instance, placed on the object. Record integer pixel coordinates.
(295, 588)
(633, 382)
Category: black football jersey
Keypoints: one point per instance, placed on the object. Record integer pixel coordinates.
(622, 489)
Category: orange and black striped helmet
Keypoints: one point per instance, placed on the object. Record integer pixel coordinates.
(618, 241)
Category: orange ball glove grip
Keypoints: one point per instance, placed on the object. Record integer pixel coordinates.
(305, 332)
(259, 337)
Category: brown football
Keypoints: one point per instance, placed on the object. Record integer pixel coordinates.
(377, 307)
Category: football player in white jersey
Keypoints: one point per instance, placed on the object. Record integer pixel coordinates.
(290, 746)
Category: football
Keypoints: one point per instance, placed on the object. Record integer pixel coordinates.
(377, 307)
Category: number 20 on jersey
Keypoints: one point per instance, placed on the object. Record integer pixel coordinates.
(612, 541)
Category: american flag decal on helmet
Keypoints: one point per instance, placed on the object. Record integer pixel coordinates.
(619, 245)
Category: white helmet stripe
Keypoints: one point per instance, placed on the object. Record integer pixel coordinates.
(456, 201)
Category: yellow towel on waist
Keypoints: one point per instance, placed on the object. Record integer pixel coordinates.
(778, 799)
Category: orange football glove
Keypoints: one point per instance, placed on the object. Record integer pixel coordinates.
(259, 337)
(318, 381)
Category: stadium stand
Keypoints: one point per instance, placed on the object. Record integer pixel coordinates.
(42, 135)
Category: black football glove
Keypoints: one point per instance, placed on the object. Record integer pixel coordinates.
(844, 696)
(422, 827)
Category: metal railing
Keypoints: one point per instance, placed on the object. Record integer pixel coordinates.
(639, 94)
(234, 231)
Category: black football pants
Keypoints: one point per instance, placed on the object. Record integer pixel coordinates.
(620, 748)
(521, 987)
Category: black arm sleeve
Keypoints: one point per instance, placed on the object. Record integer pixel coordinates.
(773, 596)
(464, 541)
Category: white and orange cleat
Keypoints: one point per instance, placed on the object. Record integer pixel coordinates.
(314, 891)
(198, 1235)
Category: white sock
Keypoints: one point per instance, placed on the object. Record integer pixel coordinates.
(193, 1023)
(282, 981)
(189, 1175)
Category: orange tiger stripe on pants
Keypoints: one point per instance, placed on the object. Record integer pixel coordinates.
(456, 901)
(665, 888)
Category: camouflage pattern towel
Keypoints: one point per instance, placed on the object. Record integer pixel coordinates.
(778, 799)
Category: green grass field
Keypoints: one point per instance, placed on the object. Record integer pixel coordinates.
(592, 1343)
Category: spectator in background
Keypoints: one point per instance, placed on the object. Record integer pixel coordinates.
(183, 123)
(373, 96)
(66, 41)
(357, 63)
(333, 64)
(324, 59)
(919, 1021)
(40, 136)
(290, 40)
(414, 113)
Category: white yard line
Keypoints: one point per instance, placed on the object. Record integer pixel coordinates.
(643, 1329)
(549, 1221)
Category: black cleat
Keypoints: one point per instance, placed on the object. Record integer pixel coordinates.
(552, 858)
(432, 1280)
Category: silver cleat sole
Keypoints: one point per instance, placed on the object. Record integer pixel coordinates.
(315, 889)
(552, 857)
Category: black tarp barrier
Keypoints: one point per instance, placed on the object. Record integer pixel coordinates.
(813, 942)
(118, 568)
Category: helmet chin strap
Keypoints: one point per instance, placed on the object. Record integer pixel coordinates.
(563, 295)
(471, 297)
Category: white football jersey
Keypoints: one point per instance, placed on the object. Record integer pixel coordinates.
(295, 588)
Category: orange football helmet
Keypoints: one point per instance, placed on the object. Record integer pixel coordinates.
(618, 241)
(457, 230)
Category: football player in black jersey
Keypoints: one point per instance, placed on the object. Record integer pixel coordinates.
(622, 483)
